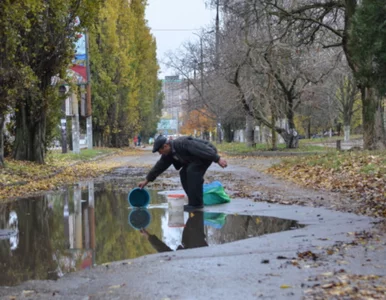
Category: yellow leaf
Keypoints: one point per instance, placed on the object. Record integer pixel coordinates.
(27, 292)
(285, 286)
(115, 286)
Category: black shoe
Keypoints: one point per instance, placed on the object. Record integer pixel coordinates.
(188, 207)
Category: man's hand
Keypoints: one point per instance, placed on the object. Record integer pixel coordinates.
(144, 232)
(222, 162)
(142, 184)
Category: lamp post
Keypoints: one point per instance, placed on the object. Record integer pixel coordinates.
(63, 122)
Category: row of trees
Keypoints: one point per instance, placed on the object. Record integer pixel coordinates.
(36, 49)
(313, 63)
(126, 91)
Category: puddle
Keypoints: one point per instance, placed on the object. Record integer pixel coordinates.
(46, 237)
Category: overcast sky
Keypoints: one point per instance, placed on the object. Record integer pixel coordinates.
(173, 21)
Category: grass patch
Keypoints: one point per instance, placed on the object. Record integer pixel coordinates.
(84, 155)
(369, 169)
(365, 162)
(330, 139)
(242, 148)
(16, 171)
(20, 178)
(331, 160)
(361, 174)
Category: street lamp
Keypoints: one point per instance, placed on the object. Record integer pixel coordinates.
(63, 122)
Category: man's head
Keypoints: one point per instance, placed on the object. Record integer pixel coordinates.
(161, 145)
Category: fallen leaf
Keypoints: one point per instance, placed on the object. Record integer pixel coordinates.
(285, 286)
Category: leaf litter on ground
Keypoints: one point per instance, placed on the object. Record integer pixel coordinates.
(22, 178)
(361, 175)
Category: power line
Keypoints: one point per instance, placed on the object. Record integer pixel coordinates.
(175, 29)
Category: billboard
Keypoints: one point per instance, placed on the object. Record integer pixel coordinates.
(79, 63)
(167, 124)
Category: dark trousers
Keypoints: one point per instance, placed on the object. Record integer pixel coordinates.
(192, 180)
(193, 235)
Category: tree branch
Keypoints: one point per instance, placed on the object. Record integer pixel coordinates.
(332, 45)
(293, 14)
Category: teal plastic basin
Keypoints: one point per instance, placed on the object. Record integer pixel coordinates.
(139, 197)
(139, 218)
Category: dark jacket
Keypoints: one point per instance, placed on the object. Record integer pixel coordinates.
(184, 151)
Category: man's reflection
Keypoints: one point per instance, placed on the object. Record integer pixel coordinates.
(193, 235)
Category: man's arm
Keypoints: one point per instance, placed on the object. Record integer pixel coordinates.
(155, 241)
(157, 244)
(158, 168)
(162, 164)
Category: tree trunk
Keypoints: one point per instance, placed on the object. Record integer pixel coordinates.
(373, 131)
(114, 140)
(30, 134)
(273, 133)
(249, 133)
(291, 138)
(97, 136)
(346, 133)
(293, 141)
(228, 133)
(261, 133)
(309, 129)
(2, 121)
(218, 131)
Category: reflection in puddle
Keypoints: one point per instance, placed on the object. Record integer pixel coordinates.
(46, 237)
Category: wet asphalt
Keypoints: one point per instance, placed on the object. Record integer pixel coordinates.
(264, 267)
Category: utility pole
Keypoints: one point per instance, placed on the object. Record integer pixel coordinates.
(217, 34)
(217, 65)
(63, 121)
(75, 124)
(201, 66)
(88, 94)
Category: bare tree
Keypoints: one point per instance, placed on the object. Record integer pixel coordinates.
(329, 23)
(208, 93)
(268, 69)
(346, 95)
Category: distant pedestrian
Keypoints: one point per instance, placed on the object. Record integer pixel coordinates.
(139, 140)
(135, 141)
(193, 156)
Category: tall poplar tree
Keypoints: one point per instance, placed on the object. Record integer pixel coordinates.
(124, 73)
